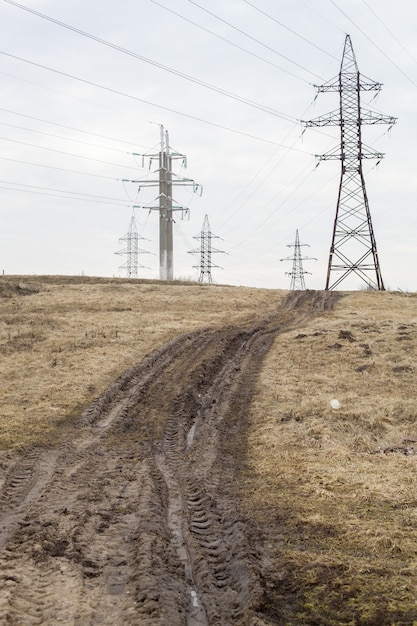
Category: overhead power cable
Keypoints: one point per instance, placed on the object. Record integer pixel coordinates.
(373, 43)
(72, 193)
(60, 169)
(159, 106)
(98, 105)
(232, 43)
(242, 32)
(78, 156)
(399, 42)
(78, 130)
(135, 55)
(58, 195)
(84, 143)
(293, 32)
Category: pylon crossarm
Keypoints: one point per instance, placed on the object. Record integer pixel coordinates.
(367, 84)
(144, 183)
(330, 156)
(370, 117)
(334, 85)
(327, 88)
(330, 85)
(373, 155)
(331, 119)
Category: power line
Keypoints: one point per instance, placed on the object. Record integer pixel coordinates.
(78, 130)
(243, 191)
(84, 143)
(242, 32)
(248, 197)
(61, 169)
(374, 44)
(399, 42)
(76, 193)
(78, 156)
(59, 195)
(71, 95)
(260, 226)
(159, 106)
(232, 43)
(322, 16)
(289, 29)
(173, 71)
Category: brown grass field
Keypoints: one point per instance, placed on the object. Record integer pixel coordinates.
(330, 492)
(63, 340)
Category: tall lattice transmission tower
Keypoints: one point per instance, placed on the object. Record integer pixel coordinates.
(205, 251)
(353, 250)
(297, 273)
(131, 250)
(166, 180)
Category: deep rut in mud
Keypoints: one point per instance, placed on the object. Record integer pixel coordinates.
(134, 521)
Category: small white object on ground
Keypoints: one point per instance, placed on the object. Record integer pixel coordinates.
(335, 404)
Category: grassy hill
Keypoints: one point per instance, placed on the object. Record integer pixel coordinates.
(63, 340)
(334, 489)
(329, 493)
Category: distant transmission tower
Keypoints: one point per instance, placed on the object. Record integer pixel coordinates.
(205, 251)
(297, 274)
(353, 249)
(131, 250)
(166, 180)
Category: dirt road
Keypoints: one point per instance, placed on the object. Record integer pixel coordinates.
(134, 521)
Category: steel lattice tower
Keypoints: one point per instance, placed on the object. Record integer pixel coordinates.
(166, 181)
(131, 250)
(353, 249)
(297, 274)
(205, 251)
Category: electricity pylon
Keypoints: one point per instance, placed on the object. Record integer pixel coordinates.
(297, 274)
(205, 251)
(166, 181)
(353, 249)
(131, 250)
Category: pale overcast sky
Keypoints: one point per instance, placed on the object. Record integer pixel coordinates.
(75, 112)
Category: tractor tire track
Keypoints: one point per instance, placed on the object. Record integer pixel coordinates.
(134, 520)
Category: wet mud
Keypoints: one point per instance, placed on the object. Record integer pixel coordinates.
(135, 520)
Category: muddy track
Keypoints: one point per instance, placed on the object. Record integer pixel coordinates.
(134, 520)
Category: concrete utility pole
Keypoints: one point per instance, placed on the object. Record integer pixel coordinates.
(353, 249)
(166, 181)
(297, 274)
(166, 243)
(205, 251)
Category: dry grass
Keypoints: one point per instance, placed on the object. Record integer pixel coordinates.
(338, 486)
(63, 340)
(333, 491)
